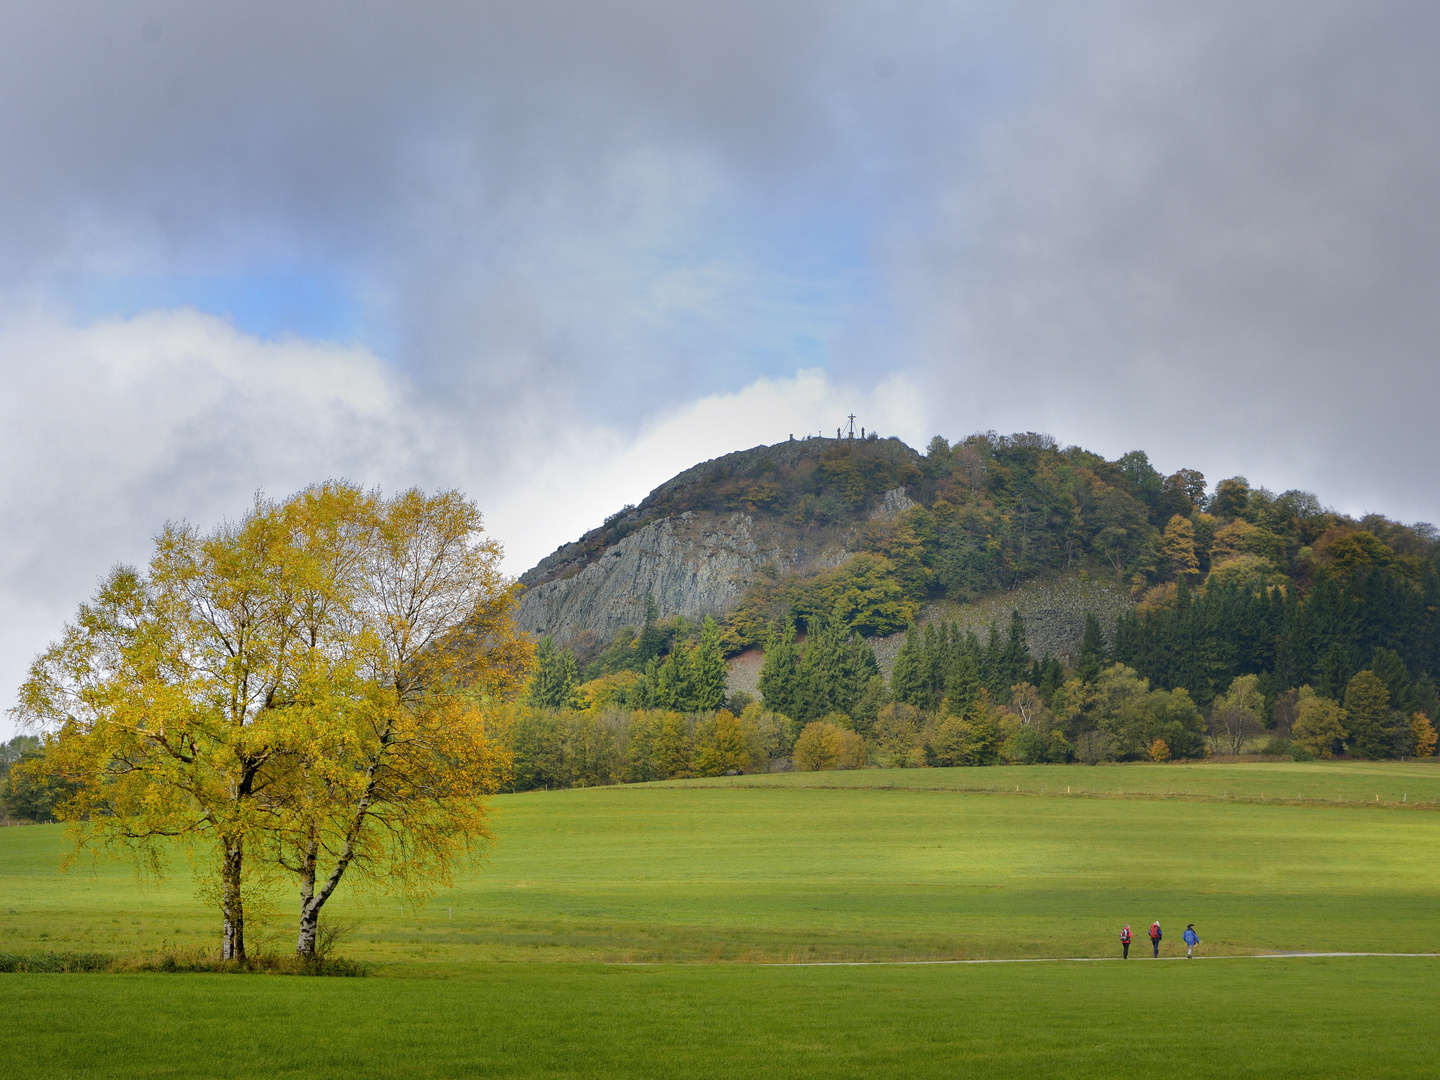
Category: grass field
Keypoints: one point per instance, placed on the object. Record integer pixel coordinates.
(1409, 783)
(873, 866)
(1221, 1018)
(777, 868)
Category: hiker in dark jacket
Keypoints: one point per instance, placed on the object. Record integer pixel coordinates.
(1125, 942)
(1155, 936)
(1191, 940)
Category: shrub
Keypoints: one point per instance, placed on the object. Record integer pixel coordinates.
(1060, 749)
(720, 746)
(816, 749)
(53, 963)
(850, 750)
(182, 962)
(769, 736)
(895, 738)
(972, 740)
(1028, 747)
(948, 742)
(1094, 747)
(1320, 724)
(823, 745)
(1424, 735)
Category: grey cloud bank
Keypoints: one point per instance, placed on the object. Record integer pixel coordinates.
(1231, 217)
(1207, 231)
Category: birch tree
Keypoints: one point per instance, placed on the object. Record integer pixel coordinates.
(302, 690)
(163, 703)
(392, 773)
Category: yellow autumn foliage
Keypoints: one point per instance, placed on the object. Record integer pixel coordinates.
(303, 690)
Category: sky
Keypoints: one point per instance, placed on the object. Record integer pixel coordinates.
(553, 253)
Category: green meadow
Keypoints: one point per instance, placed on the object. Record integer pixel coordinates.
(1223, 1018)
(1380, 782)
(868, 865)
(640, 931)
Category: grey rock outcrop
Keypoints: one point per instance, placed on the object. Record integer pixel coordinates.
(692, 565)
(698, 541)
(895, 503)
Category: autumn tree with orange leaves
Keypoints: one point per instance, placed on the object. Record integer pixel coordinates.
(303, 690)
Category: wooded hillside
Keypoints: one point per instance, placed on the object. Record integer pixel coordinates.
(1252, 611)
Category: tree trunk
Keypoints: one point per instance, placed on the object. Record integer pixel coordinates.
(232, 945)
(309, 903)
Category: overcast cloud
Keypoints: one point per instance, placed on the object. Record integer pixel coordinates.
(553, 253)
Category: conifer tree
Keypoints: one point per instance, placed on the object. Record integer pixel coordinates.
(1336, 668)
(780, 672)
(1015, 657)
(821, 671)
(556, 681)
(1051, 677)
(937, 655)
(834, 671)
(1367, 710)
(651, 642)
(965, 645)
(1092, 650)
(909, 678)
(1396, 677)
(642, 694)
(860, 672)
(992, 664)
(865, 711)
(1424, 698)
(708, 670)
(962, 688)
(675, 681)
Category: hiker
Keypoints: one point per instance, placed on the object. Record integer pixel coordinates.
(1155, 936)
(1125, 942)
(1191, 940)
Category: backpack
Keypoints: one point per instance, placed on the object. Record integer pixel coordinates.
(1125, 934)
(1155, 931)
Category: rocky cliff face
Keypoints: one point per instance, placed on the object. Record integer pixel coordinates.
(697, 542)
(694, 564)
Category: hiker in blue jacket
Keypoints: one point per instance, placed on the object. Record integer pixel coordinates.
(1156, 935)
(1191, 940)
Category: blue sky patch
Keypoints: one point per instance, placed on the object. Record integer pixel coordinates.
(266, 305)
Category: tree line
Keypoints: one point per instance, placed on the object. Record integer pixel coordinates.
(1358, 616)
(950, 700)
(25, 795)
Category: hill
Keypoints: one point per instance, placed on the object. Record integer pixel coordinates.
(893, 536)
(698, 542)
